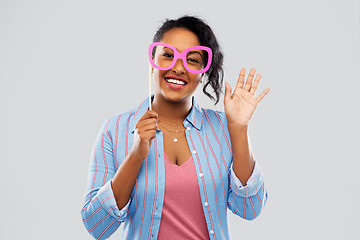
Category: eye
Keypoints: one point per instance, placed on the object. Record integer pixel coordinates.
(192, 60)
(168, 55)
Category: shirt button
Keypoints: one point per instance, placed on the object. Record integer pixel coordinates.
(201, 174)
(188, 128)
(211, 231)
(206, 204)
(186, 123)
(193, 151)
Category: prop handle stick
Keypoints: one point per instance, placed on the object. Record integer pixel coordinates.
(150, 87)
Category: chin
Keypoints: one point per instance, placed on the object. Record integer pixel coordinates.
(174, 98)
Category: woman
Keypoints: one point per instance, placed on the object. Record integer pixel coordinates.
(172, 172)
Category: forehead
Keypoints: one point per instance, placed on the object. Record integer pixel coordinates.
(180, 38)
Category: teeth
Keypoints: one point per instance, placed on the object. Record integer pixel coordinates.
(175, 81)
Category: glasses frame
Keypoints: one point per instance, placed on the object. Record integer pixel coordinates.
(181, 55)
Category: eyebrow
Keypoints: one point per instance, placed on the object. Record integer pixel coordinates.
(195, 52)
(191, 52)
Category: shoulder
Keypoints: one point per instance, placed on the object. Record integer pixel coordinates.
(211, 116)
(215, 122)
(118, 122)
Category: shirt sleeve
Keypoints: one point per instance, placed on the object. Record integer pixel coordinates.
(247, 201)
(100, 213)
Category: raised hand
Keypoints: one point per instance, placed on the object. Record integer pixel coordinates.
(241, 104)
(145, 132)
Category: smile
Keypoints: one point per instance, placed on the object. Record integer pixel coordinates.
(175, 82)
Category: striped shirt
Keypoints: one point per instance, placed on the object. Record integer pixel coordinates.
(208, 139)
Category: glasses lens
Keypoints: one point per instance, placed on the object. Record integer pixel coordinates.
(196, 59)
(163, 56)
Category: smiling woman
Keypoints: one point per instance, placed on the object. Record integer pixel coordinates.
(173, 171)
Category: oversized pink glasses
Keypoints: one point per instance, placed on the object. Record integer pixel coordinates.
(164, 56)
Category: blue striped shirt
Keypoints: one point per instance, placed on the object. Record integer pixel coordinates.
(208, 139)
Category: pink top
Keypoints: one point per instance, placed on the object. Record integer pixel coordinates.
(182, 215)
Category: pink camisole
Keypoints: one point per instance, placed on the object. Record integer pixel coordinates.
(182, 215)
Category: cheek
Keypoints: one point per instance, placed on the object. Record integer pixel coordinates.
(195, 77)
(157, 75)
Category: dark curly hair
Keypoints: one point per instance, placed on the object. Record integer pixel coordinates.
(215, 74)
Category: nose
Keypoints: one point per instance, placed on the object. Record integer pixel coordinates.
(179, 66)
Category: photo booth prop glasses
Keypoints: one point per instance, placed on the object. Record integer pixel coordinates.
(196, 59)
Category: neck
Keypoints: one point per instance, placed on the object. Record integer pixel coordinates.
(174, 112)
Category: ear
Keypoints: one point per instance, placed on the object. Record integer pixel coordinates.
(201, 79)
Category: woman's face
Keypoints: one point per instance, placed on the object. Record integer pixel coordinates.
(165, 86)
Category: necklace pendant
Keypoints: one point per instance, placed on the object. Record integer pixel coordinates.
(175, 140)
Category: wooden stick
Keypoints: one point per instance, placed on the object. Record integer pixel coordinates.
(150, 86)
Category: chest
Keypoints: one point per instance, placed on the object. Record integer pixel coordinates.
(178, 151)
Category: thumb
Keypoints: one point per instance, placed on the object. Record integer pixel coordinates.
(227, 92)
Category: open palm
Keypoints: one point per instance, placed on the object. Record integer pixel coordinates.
(241, 105)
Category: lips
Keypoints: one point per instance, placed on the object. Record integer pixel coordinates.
(176, 80)
(175, 83)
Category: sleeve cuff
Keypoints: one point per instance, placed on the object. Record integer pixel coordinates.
(108, 202)
(253, 184)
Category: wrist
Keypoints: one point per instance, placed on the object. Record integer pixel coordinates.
(136, 156)
(238, 127)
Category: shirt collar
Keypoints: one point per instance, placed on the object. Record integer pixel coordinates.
(194, 117)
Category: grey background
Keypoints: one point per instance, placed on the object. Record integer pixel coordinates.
(66, 66)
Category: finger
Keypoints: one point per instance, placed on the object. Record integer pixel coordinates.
(147, 121)
(149, 114)
(146, 132)
(255, 84)
(227, 92)
(150, 126)
(152, 138)
(262, 95)
(149, 135)
(240, 82)
(146, 125)
(250, 79)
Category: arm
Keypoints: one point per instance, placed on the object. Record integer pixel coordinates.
(100, 214)
(243, 162)
(124, 179)
(247, 194)
(239, 108)
(245, 200)
(109, 189)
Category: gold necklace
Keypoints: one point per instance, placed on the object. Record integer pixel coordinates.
(175, 139)
(171, 124)
(171, 130)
